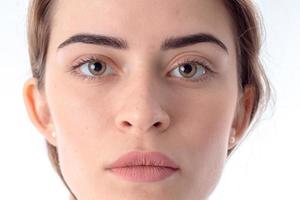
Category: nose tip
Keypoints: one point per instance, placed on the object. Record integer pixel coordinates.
(143, 119)
(142, 127)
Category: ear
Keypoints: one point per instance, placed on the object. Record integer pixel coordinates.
(242, 115)
(37, 109)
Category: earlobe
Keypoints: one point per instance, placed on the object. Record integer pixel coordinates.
(37, 109)
(243, 114)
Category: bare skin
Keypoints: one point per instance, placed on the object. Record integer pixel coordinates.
(98, 119)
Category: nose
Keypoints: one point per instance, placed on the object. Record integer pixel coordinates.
(142, 112)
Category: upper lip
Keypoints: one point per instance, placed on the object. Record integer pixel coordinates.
(136, 158)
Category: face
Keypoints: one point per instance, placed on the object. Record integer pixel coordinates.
(168, 84)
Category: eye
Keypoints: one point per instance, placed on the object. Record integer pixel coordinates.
(191, 70)
(93, 68)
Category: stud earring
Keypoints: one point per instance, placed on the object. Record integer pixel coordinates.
(232, 140)
(53, 134)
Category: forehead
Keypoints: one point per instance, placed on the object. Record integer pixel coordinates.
(142, 21)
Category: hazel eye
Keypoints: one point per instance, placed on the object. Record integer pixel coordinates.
(189, 70)
(93, 68)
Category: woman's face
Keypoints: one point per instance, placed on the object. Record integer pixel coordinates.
(157, 89)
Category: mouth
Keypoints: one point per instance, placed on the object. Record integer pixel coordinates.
(143, 166)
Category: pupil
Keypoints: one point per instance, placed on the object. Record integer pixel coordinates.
(97, 66)
(187, 68)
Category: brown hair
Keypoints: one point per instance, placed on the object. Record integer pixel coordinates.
(248, 43)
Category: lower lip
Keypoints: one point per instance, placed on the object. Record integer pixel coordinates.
(143, 173)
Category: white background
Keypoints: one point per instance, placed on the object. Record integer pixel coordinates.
(266, 166)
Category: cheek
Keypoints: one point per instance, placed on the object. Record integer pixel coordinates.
(204, 128)
(75, 110)
(82, 121)
(79, 120)
(210, 130)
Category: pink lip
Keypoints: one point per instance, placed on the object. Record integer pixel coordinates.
(143, 166)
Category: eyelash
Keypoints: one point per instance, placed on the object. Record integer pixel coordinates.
(208, 72)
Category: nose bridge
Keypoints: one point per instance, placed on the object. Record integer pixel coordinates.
(142, 107)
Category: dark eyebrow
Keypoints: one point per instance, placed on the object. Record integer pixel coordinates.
(177, 42)
(119, 43)
(114, 42)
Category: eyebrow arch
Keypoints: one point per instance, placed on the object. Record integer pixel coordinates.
(114, 42)
(178, 42)
(119, 43)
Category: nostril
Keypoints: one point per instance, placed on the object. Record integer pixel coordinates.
(157, 124)
(126, 123)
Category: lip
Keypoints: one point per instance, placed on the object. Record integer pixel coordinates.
(143, 166)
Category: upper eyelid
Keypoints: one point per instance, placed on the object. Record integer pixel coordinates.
(193, 60)
(85, 59)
